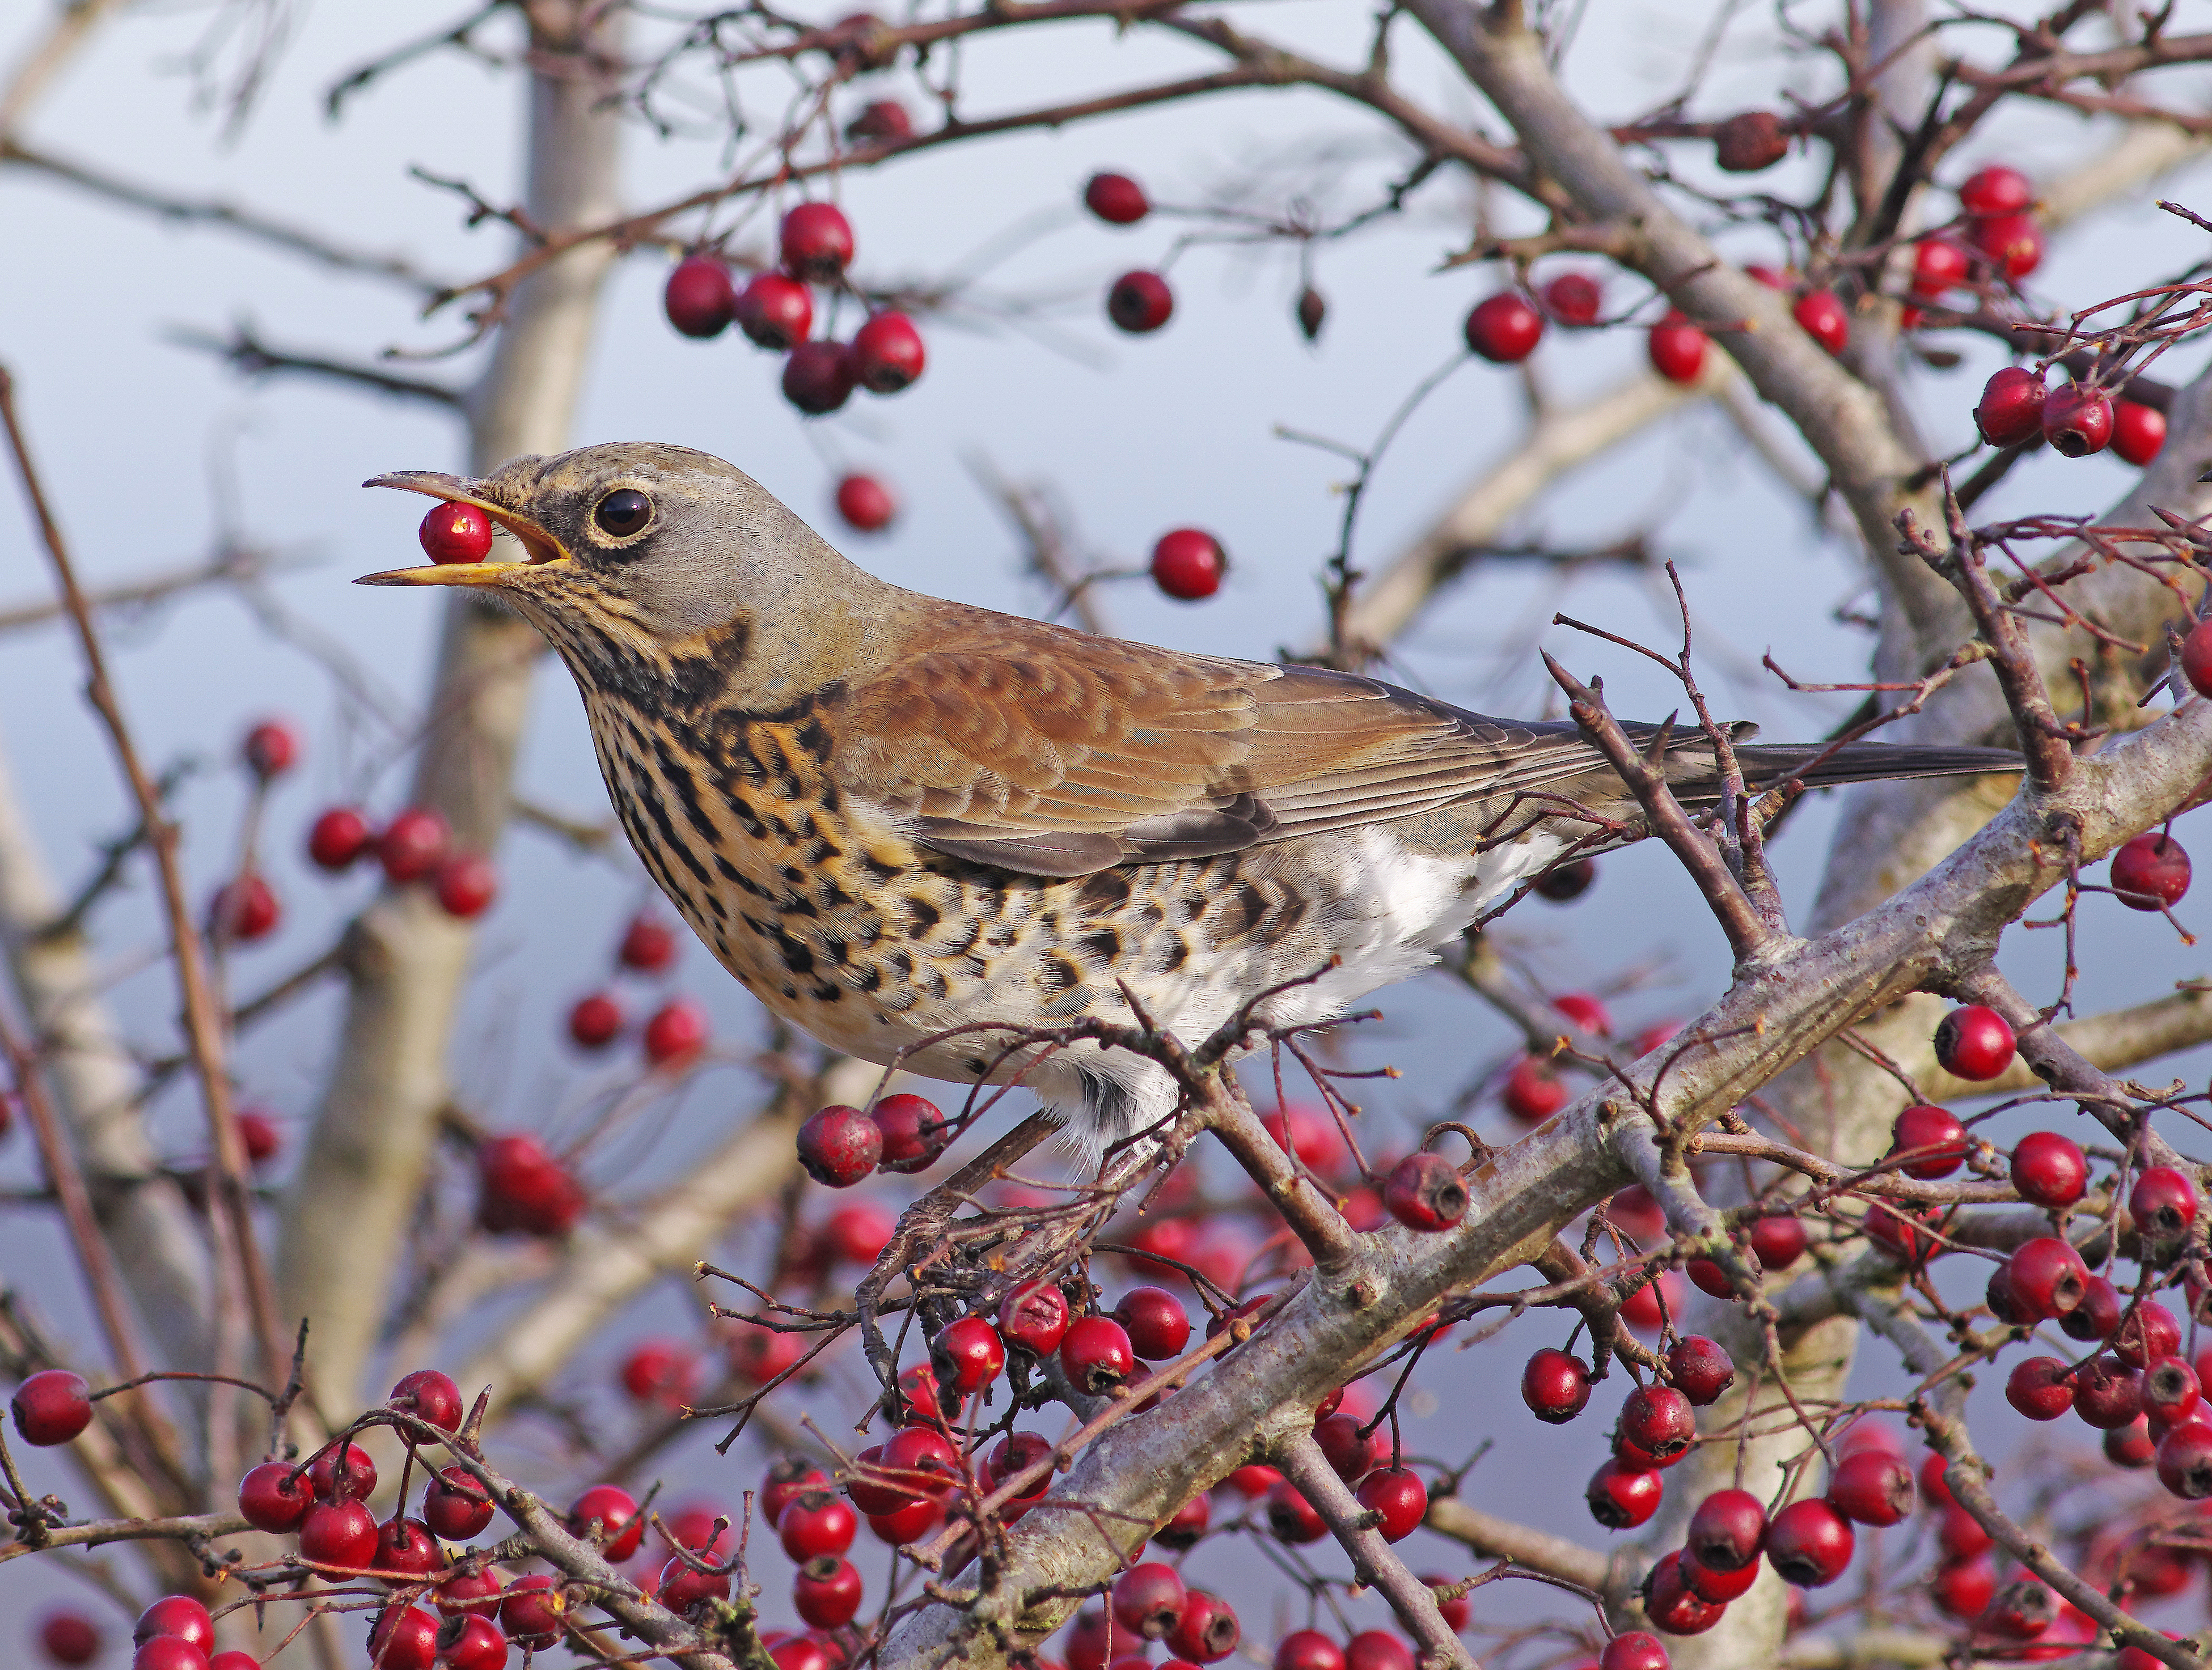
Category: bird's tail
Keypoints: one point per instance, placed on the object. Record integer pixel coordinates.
(1769, 765)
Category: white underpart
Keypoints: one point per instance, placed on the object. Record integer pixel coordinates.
(1402, 908)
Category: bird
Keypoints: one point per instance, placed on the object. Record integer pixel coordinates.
(922, 831)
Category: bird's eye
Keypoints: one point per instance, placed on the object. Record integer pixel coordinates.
(623, 512)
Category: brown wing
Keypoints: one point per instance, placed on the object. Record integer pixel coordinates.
(1053, 753)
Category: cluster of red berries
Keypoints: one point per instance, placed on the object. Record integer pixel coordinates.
(174, 1633)
(2076, 419)
(839, 1145)
(1139, 300)
(676, 1031)
(416, 846)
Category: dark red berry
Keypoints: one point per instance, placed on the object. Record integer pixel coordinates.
(1727, 1530)
(2185, 1460)
(882, 120)
(1672, 1605)
(660, 1371)
(1188, 564)
(412, 845)
(1718, 1587)
(1532, 1091)
(1563, 882)
(1290, 1517)
(827, 1593)
(2150, 872)
(1821, 314)
(468, 1593)
(1140, 302)
(176, 1618)
(51, 1407)
(1935, 1135)
(1974, 1042)
(256, 1133)
(531, 1612)
(789, 1477)
(2049, 1170)
(1964, 1589)
(521, 1189)
(1208, 1631)
(2098, 1315)
(1425, 1192)
(818, 377)
(967, 1355)
(2022, 1612)
(2170, 1391)
(274, 1498)
(338, 837)
(616, 1510)
(596, 1021)
(1677, 348)
(914, 1133)
(1779, 1242)
(2046, 1276)
(839, 1145)
(1312, 309)
(2037, 1389)
(1397, 1495)
(1708, 1277)
(1157, 1325)
(816, 242)
(1622, 1498)
(2130, 1446)
(2196, 658)
(272, 748)
(1750, 141)
(699, 298)
(1305, 1649)
(2011, 407)
(2163, 1203)
(2147, 1334)
(69, 1638)
(681, 1586)
(865, 503)
(1699, 1368)
(674, 1032)
(1148, 1599)
(1116, 199)
(1096, 1355)
(2106, 1395)
(2077, 421)
(456, 1506)
(168, 1653)
(1656, 1420)
(1504, 328)
(244, 910)
(1181, 1533)
(2138, 431)
(430, 1396)
(1351, 1453)
(887, 353)
(1809, 1542)
(1573, 299)
(775, 312)
(455, 533)
(1555, 1386)
(1034, 1318)
(343, 1472)
(1872, 1487)
(406, 1552)
(338, 1534)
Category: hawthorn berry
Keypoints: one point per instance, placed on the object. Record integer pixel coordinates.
(2163, 1203)
(1821, 316)
(1809, 1542)
(1707, 1276)
(1148, 1599)
(1622, 1498)
(1779, 1242)
(2038, 1388)
(1995, 190)
(1458, 1611)
(1750, 141)
(69, 1638)
(616, 1510)
(1974, 1042)
(2077, 421)
(1532, 1091)
(887, 353)
(1140, 302)
(455, 533)
(1563, 883)
(1188, 564)
(818, 377)
(472, 1642)
(918, 1387)
(257, 1134)
(275, 1497)
(914, 1133)
(1934, 1133)
(522, 1189)
(967, 1355)
(1939, 264)
(699, 298)
(816, 242)
(2014, 244)
(1727, 1530)
(2196, 658)
(465, 884)
(885, 120)
(412, 845)
(1116, 199)
(1677, 348)
(468, 1593)
(908, 1524)
(168, 1653)
(1656, 1420)
(531, 1612)
(674, 1032)
(337, 838)
(1672, 1605)
(2049, 1170)
(775, 312)
(839, 1145)
(1425, 1192)
(1503, 329)
(682, 1586)
(1573, 299)
(1699, 1368)
(1095, 1354)
(659, 1371)
(431, 1396)
(1718, 1587)
(1351, 1453)
(406, 1552)
(1398, 1498)
(2130, 1446)
(338, 1534)
(1375, 1650)
(2147, 1334)
(1180, 1532)
(455, 1506)
(51, 1407)
(2046, 1276)
(1555, 1386)
(1290, 1517)
(1157, 1325)
(856, 1233)
(2106, 1395)
(2150, 872)
(2138, 431)
(1034, 1318)
(2170, 1391)
(865, 503)
(243, 909)
(1963, 1589)
(1306, 1649)
(2022, 1612)
(827, 1592)
(2010, 411)
(1312, 309)
(596, 1021)
(177, 1618)
(1872, 1488)
(2185, 1460)
(1633, 1649)
(1017, 1452)
(801, 1653)
(1208, 1631)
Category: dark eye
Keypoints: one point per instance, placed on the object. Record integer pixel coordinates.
(623, 512)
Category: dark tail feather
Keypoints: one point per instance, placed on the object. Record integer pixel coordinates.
(1768, 765)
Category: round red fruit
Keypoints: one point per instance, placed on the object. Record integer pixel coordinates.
(1398, 1499)
(816, 242)
(2077, 421)
(338, 1534)
(69, 1638)
(429, 1395)
(1656, 1420)
(914, 1133)
(2185, 1460)
(2163, 1203)
(272, 748)
(885, 120)
(1181, 1533)
(596, 1021)
(699, 298)
(1994, 191)
(827, 1592)
(456, 1506)
(1633, 1649)
(406, 1552)
(1821, 314)
(1779, 1242)
(1750, 141)
(1116, 199)
(865, 503)
(967, 1355)
(2138, 431)
(887, 353)
(176, 1618)
(1034, 1318)
(1727, 1530)
(1375, 1650)
(521, 1189)
(244, 910)
(1208, 1631)
(674, 1032)
(1574, 299)
(1157, 1325)
(1188, 564)
(839, 1145)
(815, 1523)
(1095, 1354)
(818, 377)
(2010, 411)
(1938, 264)
(2106, 1395)
(2038, 1388)
(51, 1407)
(1140, 302)
(1934, 1136)
(2013, 242)
(1148, 1599)
(1623, 1498)
(465, 884)
(2150, 872)
(1809, 1542)
(1290, 1517)
(1307, 1649)
(1532, 1091)
(531, 1612)
(2147, 1334)
(775, 312)
(1672, 1605)
(1504, 328)
(2046, 1276)
(1677, 348)
(1974, 1042)
(616, 1510)
(455, 533)
(1699, 1368)
(412, 845)
(1425, 1192)
(275, 1497)
(1563, 882)
(1872, 1487)
(660, 1371)
(1555, 1386)
(338, 837)
(858, 1232)
(2049, 1170)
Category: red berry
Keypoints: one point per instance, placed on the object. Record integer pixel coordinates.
(2170, 1391)
(412, 845)
(1974, 1042)
(818, 377)
(2011, 407)
(967, 1355)
(338, 1534)
(596, 1021)
(273, 1499)
(531, 1612)
(1555, 1386)
(1677, 348)
(1564, 882)
(1351, 1453)
(1095, 1354)
(865, 503)
(682, 1586)
(699, 298)
(857, 1233)
(1584, 1011)
(914, 1133)
(51, 1407)
(1504, 328)
(1208, 1631)
(466, 884)
(176, 1618)
(759, 1354)
(468, 1593)
(2107, 1396)
(1872, 1487)
(2148, 1334)
(885, 120)
(839, 1145)
(1820, 315)
(1398, 1495)
(1938, 264)
(1672, 1605)
(1116, 199)
(431, 1396)
(1034, 1318)
(272, 748)
(801, 1653)
(2049, 1170)
(1934, 1133)
(1375, 1650)
(1188, 564)
(343, 1472)
(168, 1653)
(1140, 302)
(887, 353)
(69, 1637)
(1181, 1533)
(616, 1510)
(2138, 431)
(814, 1523)
(456, 1506)
(674, 1032)
(1017, 1452)
(918, 1387)
(2130, 1446)
(827, 1593)
(406, 1550)
(1699, 1368)
(2046, 1276)
(2185, 1460)
(1532, 1091)
(523, 1189)
(1305, 1650)
(649, 944)
(908, 1524)
(1809, 1542)
(1290, 1517)
(257, 1131)
(1425, 1192)
(1622, 1498)
(1633, 1649)
(470, 1642)
(1994, 191)
(1708, 1277)
(2150, 872)
(1157, 1325)
(1719, 1588)
(2077, 421)
(2163, 1203)
(1779, 1242)
(2196, 658)
(816, 242)
(1657, 1420)
(660, 1371)
(1456, 1613)
(2037, 1389)
(338, 837)
(1727, 1530)
(1964, 1587)
(244, 910)
(1148, 1599)
(1573, 299)
(2013, 242)
(455, 533)
(2023, 1612)
(1642, 1309)
(775, 312)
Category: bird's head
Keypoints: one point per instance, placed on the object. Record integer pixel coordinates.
(636, 555)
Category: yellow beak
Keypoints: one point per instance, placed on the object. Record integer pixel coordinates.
(541, 546)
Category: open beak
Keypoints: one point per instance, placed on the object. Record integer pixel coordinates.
(540, 547)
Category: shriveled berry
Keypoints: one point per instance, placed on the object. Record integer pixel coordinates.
(1749, 142)
(1565, 882)
(1425, 1192)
